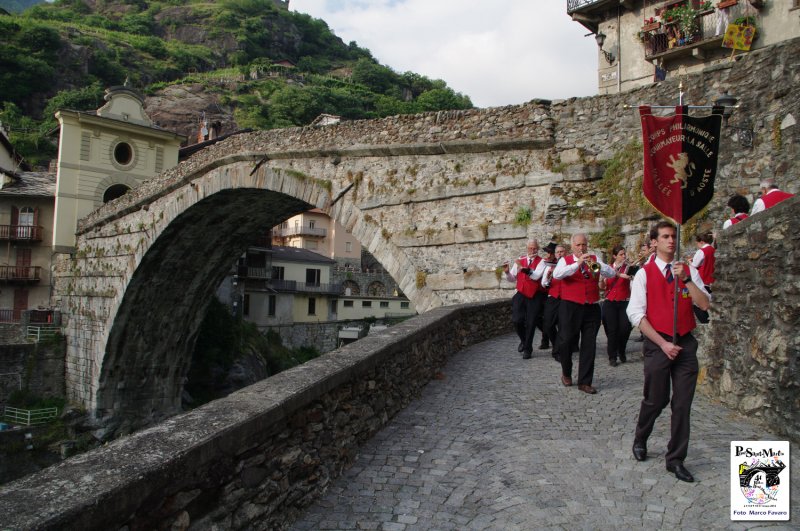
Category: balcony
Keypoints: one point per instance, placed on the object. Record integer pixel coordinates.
(664, 40)
(304, 287)
(28, 233)
(285, 232)
(20, 274)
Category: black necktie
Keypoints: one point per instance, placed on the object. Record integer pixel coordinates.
(669, 276)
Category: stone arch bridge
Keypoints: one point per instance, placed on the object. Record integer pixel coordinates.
(440, 199)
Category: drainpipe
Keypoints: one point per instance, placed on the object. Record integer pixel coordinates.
(619, 51)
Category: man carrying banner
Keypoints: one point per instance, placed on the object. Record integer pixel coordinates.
(670, 358)
(680, 164)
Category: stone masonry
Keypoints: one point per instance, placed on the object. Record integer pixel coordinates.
(255, 458)
(440, 199)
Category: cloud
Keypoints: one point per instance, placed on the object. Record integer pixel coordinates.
(497, 53)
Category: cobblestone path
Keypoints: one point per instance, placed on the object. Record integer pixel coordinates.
(500, 444)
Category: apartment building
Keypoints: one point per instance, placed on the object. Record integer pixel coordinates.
(644, 41)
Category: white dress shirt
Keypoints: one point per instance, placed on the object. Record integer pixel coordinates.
(637, 306)
(563, 270)
(535, 274)
(759, 205)
(699, 256)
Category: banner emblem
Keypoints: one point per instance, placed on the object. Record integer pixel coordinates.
(680, 161)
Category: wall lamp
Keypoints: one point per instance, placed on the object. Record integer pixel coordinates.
(745, 131)
(600, 37)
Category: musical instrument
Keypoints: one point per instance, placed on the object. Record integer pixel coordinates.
(593, 266)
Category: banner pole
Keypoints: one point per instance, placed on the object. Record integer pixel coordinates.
(676, 290)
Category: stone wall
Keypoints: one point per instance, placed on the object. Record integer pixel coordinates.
(255, 458)
(35, 367)
(751, 353)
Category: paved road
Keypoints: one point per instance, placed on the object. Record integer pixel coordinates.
(500, 444)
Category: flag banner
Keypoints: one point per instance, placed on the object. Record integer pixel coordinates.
(680, 161)
(739, 37)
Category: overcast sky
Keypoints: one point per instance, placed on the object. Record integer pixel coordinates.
(497, 52)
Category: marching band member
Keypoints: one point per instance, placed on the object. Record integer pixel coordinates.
(615, 320)
(528, 300)
(579, 311)
(670, 362)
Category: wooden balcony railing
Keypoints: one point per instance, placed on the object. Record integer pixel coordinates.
(666, 40)
(30, 233)
(20, 273)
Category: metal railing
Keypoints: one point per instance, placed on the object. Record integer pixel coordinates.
(302, 231)
(30, 417)
(39, 332)
(21, 232)
(307, 287)
(20, 273)
(574, 5)
(710, 26)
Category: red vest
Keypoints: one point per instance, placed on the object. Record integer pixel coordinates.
(618, 289)
(660, 302)
(577, 288)
(555, 288)
(523, 260)
(773, 198)
(741, 216)
(706, 269)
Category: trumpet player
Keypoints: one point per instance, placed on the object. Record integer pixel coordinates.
(579, 311)
(615, 320)
(528, 300)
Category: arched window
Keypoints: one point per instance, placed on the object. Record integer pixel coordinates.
(376, 289)
(352, 286)
(115, 191)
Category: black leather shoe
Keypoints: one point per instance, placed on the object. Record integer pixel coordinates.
(613, 363)
(527, 355)
(639, 451)
(521, 347)
(623, 358)
(680, 472)
(544, 345)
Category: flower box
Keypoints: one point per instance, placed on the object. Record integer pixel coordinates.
(652, 26)
(727, 3)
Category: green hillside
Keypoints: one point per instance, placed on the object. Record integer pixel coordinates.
(63, 55)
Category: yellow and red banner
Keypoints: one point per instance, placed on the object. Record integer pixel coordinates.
(739, 37)
(680, 160)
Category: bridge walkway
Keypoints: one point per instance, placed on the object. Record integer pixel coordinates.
(498, 443)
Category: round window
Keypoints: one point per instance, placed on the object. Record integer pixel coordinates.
(123, 153)
(115, 191)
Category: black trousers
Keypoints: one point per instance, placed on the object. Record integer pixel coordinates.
(550, 322)
(578, 320)
(617, 327)
(525, 313)
(659, 373)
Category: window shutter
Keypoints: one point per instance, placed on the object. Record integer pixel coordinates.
(14, 215)
(36, 217)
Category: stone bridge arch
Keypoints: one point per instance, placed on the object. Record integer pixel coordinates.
(146, 267)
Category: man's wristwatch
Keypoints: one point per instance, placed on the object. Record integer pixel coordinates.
(688, 280)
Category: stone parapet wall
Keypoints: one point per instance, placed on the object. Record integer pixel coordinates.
(750, 353)
(254, 459)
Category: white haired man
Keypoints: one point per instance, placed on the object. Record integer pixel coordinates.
(771, 195)
(579, 310)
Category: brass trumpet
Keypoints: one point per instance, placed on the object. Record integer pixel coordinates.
(593, 266)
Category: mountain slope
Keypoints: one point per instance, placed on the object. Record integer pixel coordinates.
(246, 63)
